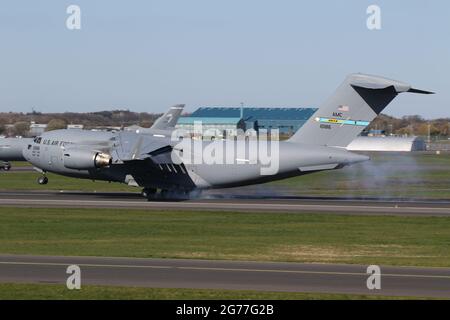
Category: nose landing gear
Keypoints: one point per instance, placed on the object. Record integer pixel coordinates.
(42, 180)
(6, 166)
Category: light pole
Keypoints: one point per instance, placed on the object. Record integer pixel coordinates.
(429, 132)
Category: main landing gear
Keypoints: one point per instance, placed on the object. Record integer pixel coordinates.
(149, 193)
(164, 194)
(42, 180)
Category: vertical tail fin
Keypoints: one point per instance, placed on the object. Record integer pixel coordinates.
(169, 119)
(357, 101)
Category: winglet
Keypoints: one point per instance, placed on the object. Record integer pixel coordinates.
(412, 90)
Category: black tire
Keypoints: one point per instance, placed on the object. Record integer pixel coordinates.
(7, 167)
(149, 193)
(42, 180)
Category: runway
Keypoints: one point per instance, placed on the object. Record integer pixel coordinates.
(233, 275)
(215, 202)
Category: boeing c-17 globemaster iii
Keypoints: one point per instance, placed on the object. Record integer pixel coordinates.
(155, 161)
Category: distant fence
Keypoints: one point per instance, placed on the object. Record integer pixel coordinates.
(439, 145)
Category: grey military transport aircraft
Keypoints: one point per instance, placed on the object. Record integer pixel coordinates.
(162, 160)
(11, 149)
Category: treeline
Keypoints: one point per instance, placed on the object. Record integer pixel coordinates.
(411, 125)
(13, 123)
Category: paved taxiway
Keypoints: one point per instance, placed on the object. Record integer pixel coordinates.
(232, 203)
(262, 276)
(21, 169)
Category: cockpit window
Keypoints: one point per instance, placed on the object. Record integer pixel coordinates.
(37, 140)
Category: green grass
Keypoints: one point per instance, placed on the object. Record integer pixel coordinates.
(21, 180)
(385, 240)
(60, 292)
(15, 164)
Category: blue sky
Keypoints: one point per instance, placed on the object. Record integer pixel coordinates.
(148, 55)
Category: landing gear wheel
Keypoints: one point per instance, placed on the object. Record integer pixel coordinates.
(42, 180)
(174, 194)
(7, 167)
(148, 193)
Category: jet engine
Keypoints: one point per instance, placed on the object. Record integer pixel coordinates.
(80, 159)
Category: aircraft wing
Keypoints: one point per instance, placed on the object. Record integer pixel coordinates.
(169, 119)
(133, 147)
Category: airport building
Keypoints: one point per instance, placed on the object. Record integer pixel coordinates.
(212, 126)
(387, 144)
(287, 120)
(75, 126)
(37, 129)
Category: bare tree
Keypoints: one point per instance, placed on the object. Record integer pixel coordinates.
(21, 128)
(55, 124)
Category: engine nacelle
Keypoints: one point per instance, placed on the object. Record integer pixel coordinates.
(80, 159)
